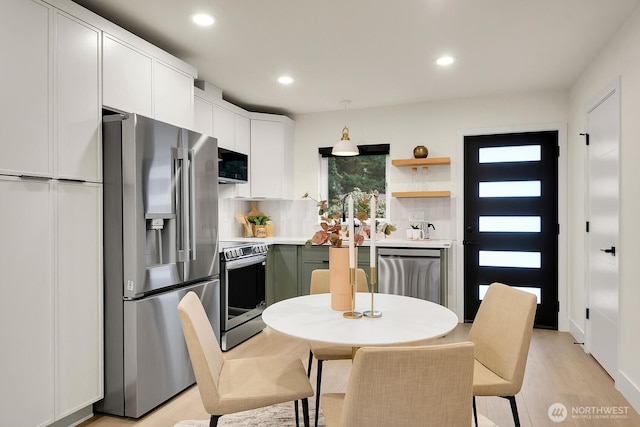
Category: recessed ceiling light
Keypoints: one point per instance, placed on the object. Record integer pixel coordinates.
(285, 80)
(202, 19)
(445, 60)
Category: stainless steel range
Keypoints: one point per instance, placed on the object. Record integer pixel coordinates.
(243, 284)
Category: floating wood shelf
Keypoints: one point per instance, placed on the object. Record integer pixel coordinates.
(418, 194)
(422, 162)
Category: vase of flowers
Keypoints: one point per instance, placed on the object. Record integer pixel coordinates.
(332, 231)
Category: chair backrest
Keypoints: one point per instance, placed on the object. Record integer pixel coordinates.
(502, 331)
(320, 281)
(204, 350)
(410, 386)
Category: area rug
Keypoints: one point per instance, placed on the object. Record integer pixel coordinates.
(281, 415)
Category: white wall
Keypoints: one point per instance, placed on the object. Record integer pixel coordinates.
(620, 58)
(437, 126)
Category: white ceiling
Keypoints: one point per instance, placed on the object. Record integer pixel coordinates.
(374, 52)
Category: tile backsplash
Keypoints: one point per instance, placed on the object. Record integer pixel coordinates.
(298, 218)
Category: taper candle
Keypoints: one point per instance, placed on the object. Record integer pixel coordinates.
(372, 249)
(352, 252)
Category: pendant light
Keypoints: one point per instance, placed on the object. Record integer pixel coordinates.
(345, 147)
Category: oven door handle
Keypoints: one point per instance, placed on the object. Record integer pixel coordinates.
(245, 262)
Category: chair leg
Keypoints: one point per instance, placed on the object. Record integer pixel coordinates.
(213, 422)
(309, 364)
(514, 409)
(295, 410)
(318, 384)
(475, 412)
(305, 411)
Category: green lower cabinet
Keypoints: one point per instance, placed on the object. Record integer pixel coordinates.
(289, 268)
(316, 257)
(282, 272)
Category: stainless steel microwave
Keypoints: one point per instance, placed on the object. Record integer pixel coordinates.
(233, 167)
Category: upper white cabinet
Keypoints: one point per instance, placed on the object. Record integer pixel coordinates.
(50, 104)
(224, 128)
(173, 95)
(77, 108)
(272, 157)
(231, 126)
(26, 88)
(140, 78)
(126, 82)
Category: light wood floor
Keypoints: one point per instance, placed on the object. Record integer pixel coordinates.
(558, 371)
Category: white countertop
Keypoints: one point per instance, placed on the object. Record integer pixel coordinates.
(389, 242)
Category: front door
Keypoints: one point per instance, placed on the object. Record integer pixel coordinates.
(603, 121)
(511, 218)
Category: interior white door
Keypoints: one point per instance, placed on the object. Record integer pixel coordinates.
(603, 122)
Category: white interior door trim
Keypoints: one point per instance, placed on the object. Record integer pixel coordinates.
(458, 191)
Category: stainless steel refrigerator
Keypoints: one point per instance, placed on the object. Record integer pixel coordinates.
(160, 241)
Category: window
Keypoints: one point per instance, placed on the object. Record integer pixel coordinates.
(359, 175)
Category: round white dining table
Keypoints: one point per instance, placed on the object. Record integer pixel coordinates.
(404, 320)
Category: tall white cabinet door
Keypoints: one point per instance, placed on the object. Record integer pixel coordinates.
(267, 155)
(79, 296)
(25, 87)
(173, 96)
(224, 127)
(126, 77)
(77, 99)
(202, 116)
(26, 306)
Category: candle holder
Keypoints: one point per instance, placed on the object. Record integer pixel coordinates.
(353, 314)
(372, 313)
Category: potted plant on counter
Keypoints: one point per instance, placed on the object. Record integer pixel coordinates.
(260, 225)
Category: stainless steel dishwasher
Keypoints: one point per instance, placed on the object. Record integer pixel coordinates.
(414, 272)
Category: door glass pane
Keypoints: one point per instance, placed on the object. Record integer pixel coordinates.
(509, 224)
(519, 153)
(535, 291)
(509, 259)
(509, 189)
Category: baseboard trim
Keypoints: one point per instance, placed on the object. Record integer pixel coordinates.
(577, 333)
(629, 390)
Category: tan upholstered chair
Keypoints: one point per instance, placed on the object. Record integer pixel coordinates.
(405, 386)
(235, 385)
(322, 352)
(501, 333)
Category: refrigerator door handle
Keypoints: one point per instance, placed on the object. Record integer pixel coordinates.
(192, 210)
(182, 205)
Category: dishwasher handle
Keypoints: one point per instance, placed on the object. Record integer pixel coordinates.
(409, 252)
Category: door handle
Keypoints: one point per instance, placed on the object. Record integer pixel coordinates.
(469, 243)
(611, 251)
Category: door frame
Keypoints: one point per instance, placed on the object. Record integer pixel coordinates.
(561, 128)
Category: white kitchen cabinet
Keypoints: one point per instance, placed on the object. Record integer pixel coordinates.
(25, 133)
(27, 303)
(136, 80)
(272, 157)
(173, 95)
(78, 243)
(202, 116)
(77, 109)
(126, 77)
(231, 126)
(224, 128)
